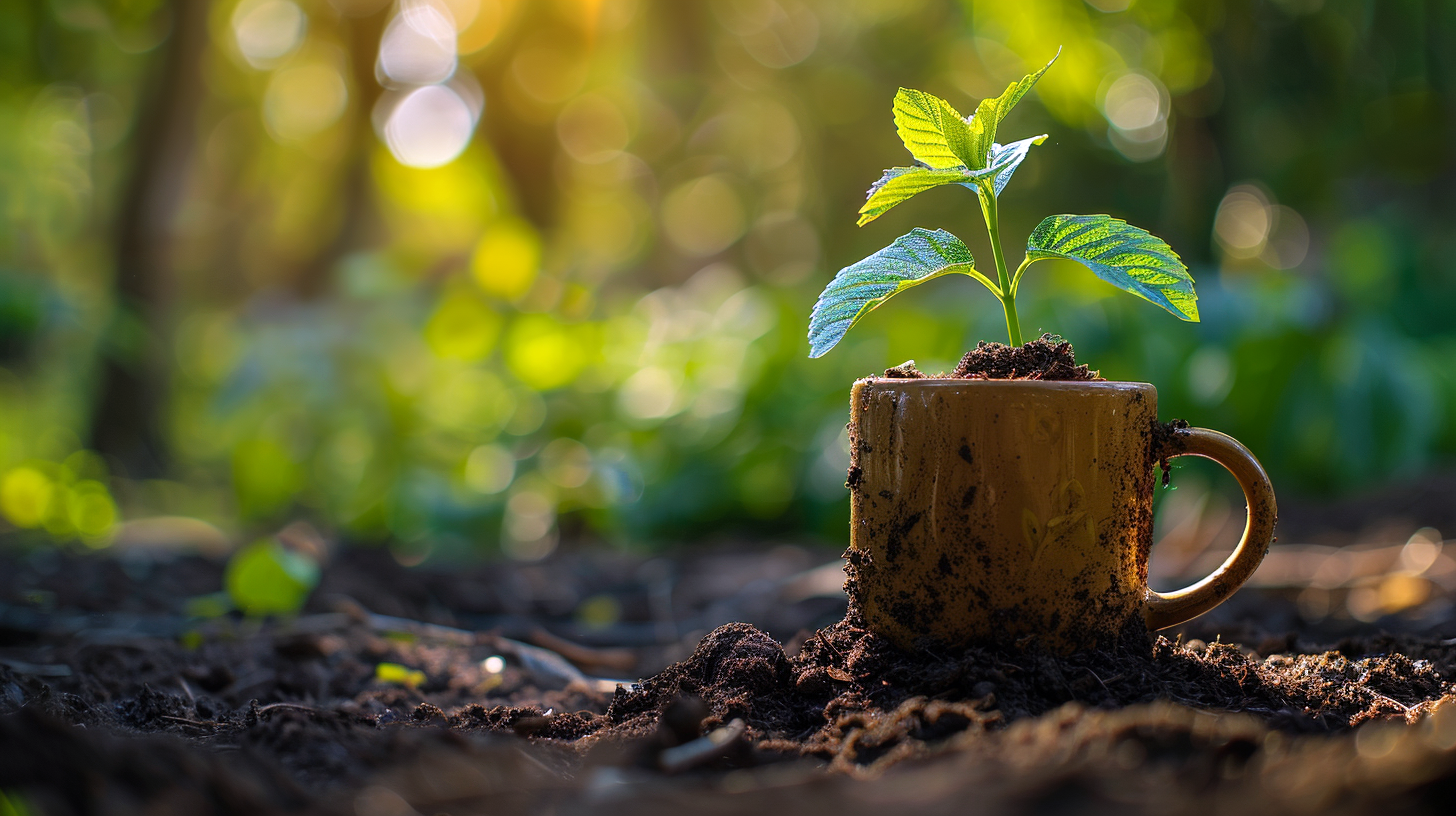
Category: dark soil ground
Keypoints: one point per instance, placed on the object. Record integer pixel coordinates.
(114, 700)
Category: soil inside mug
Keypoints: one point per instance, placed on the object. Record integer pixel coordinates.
(1048, 357)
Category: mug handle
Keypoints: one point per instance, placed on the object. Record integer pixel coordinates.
(1170, 609)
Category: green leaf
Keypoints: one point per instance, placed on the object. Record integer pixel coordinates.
(933, 131)
(990, 112)
(900, 183)
(912, 259)
(1125, 256)
(1004, 159)
(265, 578)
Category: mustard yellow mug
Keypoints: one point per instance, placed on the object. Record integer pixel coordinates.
(987, 511)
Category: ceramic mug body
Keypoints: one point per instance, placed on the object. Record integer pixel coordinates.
(990, 511)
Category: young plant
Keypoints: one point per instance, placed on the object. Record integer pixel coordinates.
(951, 149)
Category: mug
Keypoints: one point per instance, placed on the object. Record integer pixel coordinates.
(992, 511)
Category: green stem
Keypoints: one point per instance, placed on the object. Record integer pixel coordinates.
(1008, 294)
(1016, 277)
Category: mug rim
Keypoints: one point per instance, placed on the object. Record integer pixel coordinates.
(1039, 385)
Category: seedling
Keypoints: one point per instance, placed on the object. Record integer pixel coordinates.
(951, 149)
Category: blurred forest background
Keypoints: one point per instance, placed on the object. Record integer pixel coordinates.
(479, 276)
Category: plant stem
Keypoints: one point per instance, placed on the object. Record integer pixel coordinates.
(1008, 295)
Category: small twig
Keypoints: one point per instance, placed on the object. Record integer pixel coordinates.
(587, 657)
(194, 723)
(544, 663)
(294, 706)
(1403, 707)
(703, 749)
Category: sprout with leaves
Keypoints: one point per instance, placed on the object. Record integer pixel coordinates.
(950, 149)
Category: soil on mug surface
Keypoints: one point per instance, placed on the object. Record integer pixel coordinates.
(112, 700)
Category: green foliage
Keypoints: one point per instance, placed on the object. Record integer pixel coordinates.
(1125, 256)
(953, 150)
(913, 259)
(266, 578)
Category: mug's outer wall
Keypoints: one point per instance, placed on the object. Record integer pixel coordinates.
(987, 511)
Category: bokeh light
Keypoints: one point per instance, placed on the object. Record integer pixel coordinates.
(507, 259)
(1243, 221)
(418, 46)
(490, 469)
(703, 216)
(304, 99)
(267, 30)
(1136, 107)
(592, 129)
(429, 127)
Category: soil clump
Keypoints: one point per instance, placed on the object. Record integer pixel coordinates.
(905, 371)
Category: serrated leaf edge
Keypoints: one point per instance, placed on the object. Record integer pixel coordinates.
(1142, 244)
(827, 328)
(919, 112)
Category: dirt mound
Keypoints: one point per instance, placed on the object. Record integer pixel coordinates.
(1048, 357)
(851, 697)
(737, 670)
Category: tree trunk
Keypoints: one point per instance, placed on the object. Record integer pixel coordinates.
(127, 416)
(356, 190)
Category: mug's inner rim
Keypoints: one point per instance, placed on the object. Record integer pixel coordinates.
(961, 382)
